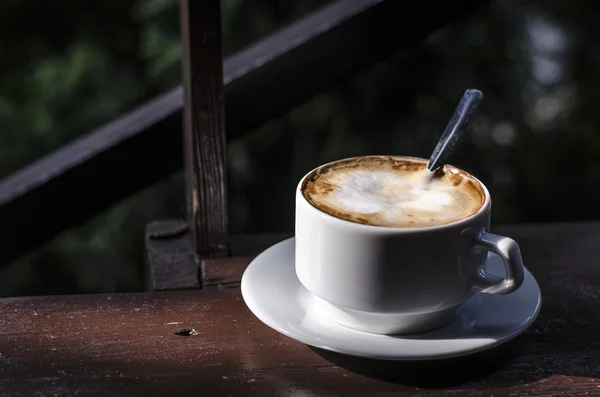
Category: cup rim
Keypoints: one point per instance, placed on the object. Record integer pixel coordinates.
(485, 206)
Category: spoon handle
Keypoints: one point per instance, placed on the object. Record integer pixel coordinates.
(461, 117)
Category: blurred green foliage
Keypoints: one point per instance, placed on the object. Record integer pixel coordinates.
(535, 141)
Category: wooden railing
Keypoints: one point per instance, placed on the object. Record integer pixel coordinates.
(316, 53)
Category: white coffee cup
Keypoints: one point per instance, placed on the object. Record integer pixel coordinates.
(392, 280)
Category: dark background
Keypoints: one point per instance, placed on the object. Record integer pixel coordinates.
(67, 67)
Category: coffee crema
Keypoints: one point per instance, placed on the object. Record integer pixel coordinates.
(392, 192)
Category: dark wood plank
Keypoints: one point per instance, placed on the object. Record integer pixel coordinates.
(308, 57)
(171, 263)
(326, 48)
(126, 344)
(204, 126)
(224, 272)
(534, 239)
(170, 259)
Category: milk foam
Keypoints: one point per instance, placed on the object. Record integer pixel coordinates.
(388, 196)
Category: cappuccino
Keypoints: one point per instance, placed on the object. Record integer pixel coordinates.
(392, 192)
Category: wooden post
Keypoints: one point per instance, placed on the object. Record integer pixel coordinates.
(204, 127)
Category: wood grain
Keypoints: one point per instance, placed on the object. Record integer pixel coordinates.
(224, 273)
(125, 344)
(204, 126)
(170, 260)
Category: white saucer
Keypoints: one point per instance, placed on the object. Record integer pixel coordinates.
(273, 293)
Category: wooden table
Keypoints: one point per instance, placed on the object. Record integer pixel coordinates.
(125, 344)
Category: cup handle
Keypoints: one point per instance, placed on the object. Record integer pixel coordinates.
(509, 251)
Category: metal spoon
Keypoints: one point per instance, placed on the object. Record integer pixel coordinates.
(461, 117)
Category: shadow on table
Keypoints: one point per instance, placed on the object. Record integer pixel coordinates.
(495, 367)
